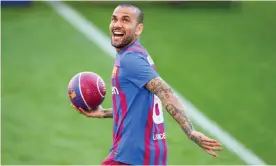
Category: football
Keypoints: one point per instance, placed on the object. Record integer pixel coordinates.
(86, 90)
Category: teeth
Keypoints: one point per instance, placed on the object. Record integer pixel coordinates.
(118, 33)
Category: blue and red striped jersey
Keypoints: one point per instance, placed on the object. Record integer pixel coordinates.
(138, 122)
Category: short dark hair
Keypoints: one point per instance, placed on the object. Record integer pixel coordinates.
(140, 12)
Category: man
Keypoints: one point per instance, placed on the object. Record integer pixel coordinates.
(138, 94)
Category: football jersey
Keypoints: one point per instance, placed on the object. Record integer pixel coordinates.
(138, 124)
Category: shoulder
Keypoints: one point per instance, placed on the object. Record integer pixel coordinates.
(133, 58)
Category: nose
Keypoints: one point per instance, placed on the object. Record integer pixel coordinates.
(118, 24)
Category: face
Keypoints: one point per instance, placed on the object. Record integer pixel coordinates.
(123, 27)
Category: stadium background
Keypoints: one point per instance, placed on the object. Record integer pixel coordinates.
(220, 56)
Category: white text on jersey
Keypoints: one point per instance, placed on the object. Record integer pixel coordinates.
(159, 136)
(115, 91)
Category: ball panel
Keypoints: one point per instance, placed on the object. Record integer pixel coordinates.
(89, 89)
(101, 86)
(75, 93)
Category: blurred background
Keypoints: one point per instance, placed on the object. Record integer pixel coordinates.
(220, 55)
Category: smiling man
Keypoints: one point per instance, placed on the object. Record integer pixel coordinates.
(138, 93)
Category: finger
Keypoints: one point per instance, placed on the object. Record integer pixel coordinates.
(76, 108)
(209, 140)
(73, 106)
(83, 111)
(212, 153)
(211, 146)
(216, 148)
(217, 144)
(204, 138)
(211, 143)
(88, 113)
(206, 147)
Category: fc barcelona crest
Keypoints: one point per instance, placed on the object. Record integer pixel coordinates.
(114, 71)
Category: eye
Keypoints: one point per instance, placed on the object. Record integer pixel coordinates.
(125, 20)
(113, 19)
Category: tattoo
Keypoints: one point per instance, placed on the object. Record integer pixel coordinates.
(158, 87)
(107, 113)
(197, 139)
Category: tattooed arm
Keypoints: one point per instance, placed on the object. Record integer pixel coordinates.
(158, 87)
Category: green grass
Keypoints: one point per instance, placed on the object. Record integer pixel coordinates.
(38, 125)
(223, 58)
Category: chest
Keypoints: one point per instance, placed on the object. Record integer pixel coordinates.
(118, 78)
(117, 75)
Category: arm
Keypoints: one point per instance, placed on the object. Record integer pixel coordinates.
(158, 87)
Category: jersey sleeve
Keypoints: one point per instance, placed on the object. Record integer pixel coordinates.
(137, 69)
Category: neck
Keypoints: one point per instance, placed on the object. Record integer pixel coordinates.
(120, 49)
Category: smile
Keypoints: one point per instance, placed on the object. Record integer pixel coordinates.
(118, 34)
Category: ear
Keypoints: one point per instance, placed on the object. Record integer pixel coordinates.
(139, 29)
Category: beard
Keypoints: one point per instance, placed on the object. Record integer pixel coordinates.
(124, 42)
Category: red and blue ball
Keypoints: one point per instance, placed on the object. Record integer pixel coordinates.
(87, 90)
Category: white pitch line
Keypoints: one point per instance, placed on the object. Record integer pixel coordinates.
(89, 30)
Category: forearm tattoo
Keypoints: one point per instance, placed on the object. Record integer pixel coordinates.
(158, 87)
(108, 113)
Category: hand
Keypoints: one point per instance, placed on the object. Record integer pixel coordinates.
(207, 144)
(91, 113)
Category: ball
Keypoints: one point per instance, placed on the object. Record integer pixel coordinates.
(86, 90)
